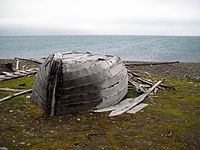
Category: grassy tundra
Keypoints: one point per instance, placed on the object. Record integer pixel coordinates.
(171, 121)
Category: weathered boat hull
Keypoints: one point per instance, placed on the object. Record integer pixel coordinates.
(71, 82)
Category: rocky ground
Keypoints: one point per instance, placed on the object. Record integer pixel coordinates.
(178, 69)
(28, 64)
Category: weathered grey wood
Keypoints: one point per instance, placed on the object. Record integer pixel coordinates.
(16, 94)
(137, 108)
(129, 101)
(39, 94)
(99, 94)
(96, 85)
(101, 74)
(18, 74)
(123, 102)
(85, 71)
(9, 74)
(85, 81)
(12, 90)
(150, 63)
(53, 102)
(104, 91)
(4, 77)
(137, 86)
(133, 73)
(161, 86)
(136, 101)
(113, 99)
(31, 59)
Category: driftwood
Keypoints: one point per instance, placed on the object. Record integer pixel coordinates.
(12, 90)
(8, 74)
(133, 103)
(137, 86)
(137, 108)
(16, 94)
(143, 80)
(128, 104)
(31, 59)
(150, 63)
(17, 74)
(131, 73)
(135, 77)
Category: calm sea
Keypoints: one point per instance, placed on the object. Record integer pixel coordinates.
(139, 48)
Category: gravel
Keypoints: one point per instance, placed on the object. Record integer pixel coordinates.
(181, 69)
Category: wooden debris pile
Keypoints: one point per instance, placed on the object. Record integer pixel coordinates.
(17, 74)
(143, 87)
(7, 72)
(139, 83)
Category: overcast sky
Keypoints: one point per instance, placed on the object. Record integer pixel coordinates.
(132, 17)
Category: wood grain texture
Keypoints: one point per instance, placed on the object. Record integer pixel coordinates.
(85, 81)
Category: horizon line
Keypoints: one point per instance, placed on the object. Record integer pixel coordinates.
(97, 35)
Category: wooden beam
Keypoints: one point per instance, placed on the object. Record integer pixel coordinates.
(31, 59)
(128, 103)
(15, 95)
(133, 102)
(150, 63)
(12, 90)
(137, 108)
(137, 86)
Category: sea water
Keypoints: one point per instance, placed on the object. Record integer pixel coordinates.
(135, 48)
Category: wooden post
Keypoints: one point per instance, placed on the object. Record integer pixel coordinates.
(17, 64)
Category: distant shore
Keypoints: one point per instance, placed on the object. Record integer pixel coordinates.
(177, 69)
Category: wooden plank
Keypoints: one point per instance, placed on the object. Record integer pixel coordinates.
(12, 90)
(137, 86)
(53, 102)
(136, 101)
(31, 59)
(137, 108)
(113, 99)
(96, 85)
(9, 74)
(104, 91)
(18, 74)
(129, 101)
(133, 73)
(74, 66)
(16, 94)
(102, 74)
(150, 63)
(123, 102)
(149, 82)
(86, 70)
(78, 103)
(4, 77)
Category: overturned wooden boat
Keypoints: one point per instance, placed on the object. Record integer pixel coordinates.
(70, 82)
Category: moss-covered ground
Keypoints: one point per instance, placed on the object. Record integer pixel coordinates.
(171, 121)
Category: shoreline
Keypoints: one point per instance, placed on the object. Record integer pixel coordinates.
(188, 70)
